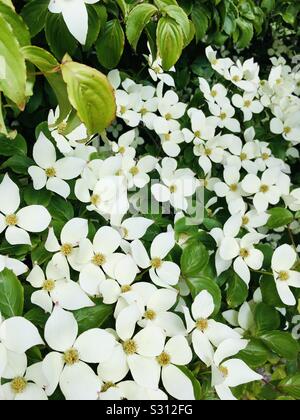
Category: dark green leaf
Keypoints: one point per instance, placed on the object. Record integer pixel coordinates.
(11, 294)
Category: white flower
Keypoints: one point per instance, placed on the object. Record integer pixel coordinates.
(16, 266)
(17, 335)
(134, 227)
(231, 189)
(283, 261)
(157, 73)
(202, 127)
(50, 172)
(242, 319)
(56, 289)
(176, 353)
(74, 231)
(248, 256)
(218, 93)
(247, 104)
(17, 223)
(23, 386)
(209, 152)
(170, 141)
(163, 273)
(158, 312)
(219, 64)
(287, 125)
(223, 114)
(138, 354)
(75, 16)
(137, 172)
(265, 190)
(170, 110)
(130, 390)
(124, 145)
(231, 372)
(177, 186)
(206, 332)
(293, 200)
(94, 257)
(67, 365)
(126, 103)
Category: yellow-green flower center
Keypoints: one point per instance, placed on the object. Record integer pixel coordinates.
(156, 263)
(264, 188)
(99, 259)
(49, 285)
(283, 275)
(71, 357)
(95, 199)
(107, 386)
(129, 347)
(11, 220)
(50, 172)
(18, 385)
(125, 288)
(66, 249)
(202, 324)
(163, 359)
(150, 314)
(244, 253)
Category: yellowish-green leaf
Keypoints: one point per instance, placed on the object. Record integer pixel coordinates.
(2, 123)
(50, 67)
(138, 18)
(14, 84)
(91, 94)
(17, 24)
(169, 41)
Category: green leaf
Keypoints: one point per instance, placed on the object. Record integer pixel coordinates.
(169, 41)
(19, 28)
(180, 17)
(291, 386)
(111, 40)
(34, 13)
(194, 259)
(93, 317)
(56, 30)
(200, 20)
(18, 163)
(11, 294)
(14, 84)
(255, 354)
(245, 33)
(137, 19)
(12, 146)
(197, 284)
(37, 316)
(50, 67)
(266, 318)
(32, 197)
(97, 18)
(196, 384)
(237, 292)
(163, 3)
(91, 94)
(281, 343)
(279, 217)
(60, 209)
(268, 5)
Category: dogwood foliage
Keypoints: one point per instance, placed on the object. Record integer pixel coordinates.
(111, 287)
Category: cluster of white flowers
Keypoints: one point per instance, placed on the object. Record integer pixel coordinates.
(157, 328)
